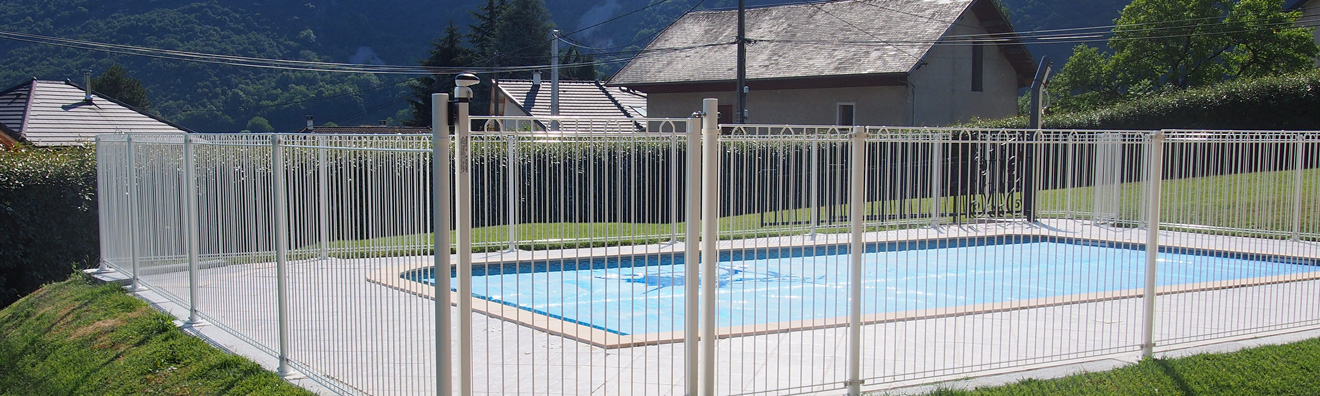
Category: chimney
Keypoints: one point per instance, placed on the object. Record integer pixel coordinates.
(309, 123)
(87, 86)
(536, 78)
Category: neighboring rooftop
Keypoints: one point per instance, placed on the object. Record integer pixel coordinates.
(836, 38)
(577, 98)
(55, 113)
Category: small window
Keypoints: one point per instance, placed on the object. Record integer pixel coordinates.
(847, 114)
(726, 114)
(978, 67)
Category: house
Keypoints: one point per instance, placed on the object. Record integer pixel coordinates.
(61, 113)
(1310, 16)
(871, 62)
(577, 98)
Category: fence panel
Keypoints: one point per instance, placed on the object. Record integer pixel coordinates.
(1249, 197)
(982, 250)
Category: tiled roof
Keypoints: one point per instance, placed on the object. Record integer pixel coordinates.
(576, 98)
(53, 113)
(366, 129)
(837, 38)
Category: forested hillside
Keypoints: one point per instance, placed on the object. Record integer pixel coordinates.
(209, 97)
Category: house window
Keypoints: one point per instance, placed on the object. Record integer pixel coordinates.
(726, 114)
(978, 67)
(847, 114)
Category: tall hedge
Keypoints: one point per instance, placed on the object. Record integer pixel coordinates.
(1269, 103)
(48, 221)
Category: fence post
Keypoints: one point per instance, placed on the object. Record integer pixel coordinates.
(463, 226)
(323, 196)
(190, 219)
(513, 193)
(281, 248)
(440, 216)
(133, 232)
(1297, 189)
(857, 215)
(1154, 176)
(692, 257)
(710, 237)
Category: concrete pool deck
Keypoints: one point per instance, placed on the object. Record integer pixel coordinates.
(361, 335)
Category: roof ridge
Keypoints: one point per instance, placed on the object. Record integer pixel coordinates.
(613, 100)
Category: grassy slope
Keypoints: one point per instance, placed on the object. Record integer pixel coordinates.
(75, 338)
(1291, 369)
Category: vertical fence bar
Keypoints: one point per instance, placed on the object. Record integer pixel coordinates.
(814, 182)
(936, 162)
(710, 237)
(133, 232)
(463, 225)
(440, 216)
(281, 248)
(322, 196)
(1154, 176)
(692, 257)
(1068, 176)
(190, 223)
(857, 215)
(513, 192)
(673, 181)
(1300, 166)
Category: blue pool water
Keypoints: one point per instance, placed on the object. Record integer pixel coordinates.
(644, 294)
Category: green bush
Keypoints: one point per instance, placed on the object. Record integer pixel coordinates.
(1270, 103)
(48, 217)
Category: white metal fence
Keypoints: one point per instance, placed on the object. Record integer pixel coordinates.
(316, 249)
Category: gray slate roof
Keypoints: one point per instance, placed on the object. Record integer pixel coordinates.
(822, 39)
(53, 113)
(576, 98)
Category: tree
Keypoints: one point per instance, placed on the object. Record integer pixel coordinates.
(448, 51)
(1087, 81)
(1177, 44)
(483, 34)
(577, 66)
(116, 84)
(523, 35)
(259, 124)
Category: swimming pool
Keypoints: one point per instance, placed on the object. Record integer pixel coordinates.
(630, 295)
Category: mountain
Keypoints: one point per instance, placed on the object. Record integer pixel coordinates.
(210, 97)
(1038, 15)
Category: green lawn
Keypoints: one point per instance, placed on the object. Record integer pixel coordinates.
(75, 338)
(1291, 369)
(1260, 201)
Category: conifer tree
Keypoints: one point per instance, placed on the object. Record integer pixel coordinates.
(116, 84)
(448, 51)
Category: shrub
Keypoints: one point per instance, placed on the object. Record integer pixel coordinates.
(1270, 103)
(48, 217)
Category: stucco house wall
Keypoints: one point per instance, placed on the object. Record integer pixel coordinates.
(942, 85)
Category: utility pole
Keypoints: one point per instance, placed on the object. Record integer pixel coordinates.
(554, 73)
(741, 116)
